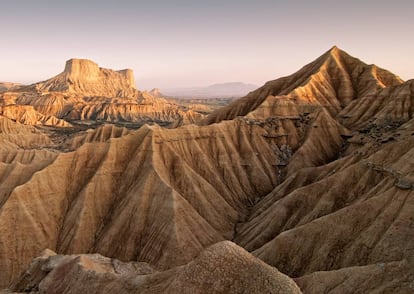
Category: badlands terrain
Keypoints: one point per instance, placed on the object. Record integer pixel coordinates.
(305, 185)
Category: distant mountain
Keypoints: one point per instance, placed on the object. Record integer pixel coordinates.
(224, 90)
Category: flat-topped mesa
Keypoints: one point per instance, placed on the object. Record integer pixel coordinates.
(82, 69)
(85, 77)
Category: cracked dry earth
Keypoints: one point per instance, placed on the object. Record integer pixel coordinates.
(304, 185)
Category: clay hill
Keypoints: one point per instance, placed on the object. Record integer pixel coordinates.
(87, 94)
(310, 177)
(223, 267)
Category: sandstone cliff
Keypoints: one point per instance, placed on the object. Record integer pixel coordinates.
(86, 92)
(82, 76)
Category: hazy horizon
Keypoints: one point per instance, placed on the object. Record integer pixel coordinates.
(181, 44)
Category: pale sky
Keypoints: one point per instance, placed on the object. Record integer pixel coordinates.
(182, 43)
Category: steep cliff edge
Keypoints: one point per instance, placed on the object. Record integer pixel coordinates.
(85, 92)
(83, 76)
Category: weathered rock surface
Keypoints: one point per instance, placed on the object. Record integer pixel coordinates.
(221, 268)
(26, 114)
(312, 173)
(86, 92)
(85, 77)
(335, 81)
(391, 277)
(164, 174)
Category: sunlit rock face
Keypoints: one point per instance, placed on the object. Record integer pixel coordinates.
(311, 173)
(83, 76)
(86, 92)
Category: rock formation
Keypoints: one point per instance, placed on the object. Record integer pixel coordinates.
(390, 277)
(82, 76)
(334, 81)
(312, 174)
(26, 114)
(86, 92)
(221, 268)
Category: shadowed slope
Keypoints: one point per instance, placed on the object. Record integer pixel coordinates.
(391, 277)
(189, 194)
(333, 81)
(316, 175)
(355, 211)
(221, 268)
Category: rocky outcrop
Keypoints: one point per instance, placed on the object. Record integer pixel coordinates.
(222, 268)
(86, 92)
(189, 117)
(82, 76)
(26, 114)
